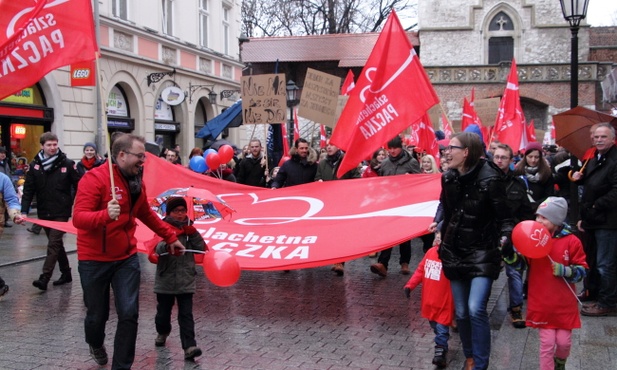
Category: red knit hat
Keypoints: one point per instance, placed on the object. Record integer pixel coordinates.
(534, 145)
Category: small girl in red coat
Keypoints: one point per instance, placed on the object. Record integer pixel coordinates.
(437, 302)
(552, 304)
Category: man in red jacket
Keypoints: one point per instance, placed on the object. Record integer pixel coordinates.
(107, 247)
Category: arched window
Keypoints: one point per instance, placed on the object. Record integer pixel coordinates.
(501, 39)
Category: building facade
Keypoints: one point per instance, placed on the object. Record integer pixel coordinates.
(166, 67)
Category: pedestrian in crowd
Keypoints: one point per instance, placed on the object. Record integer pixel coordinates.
(162, 154)
(492, 146)
(599, 216)
(271, 175)
(428, 164)
(196, 151)
(105, 219)
(536, 173)
(5, 163)
(224, 172)
(399, 162)
(326, 171)
(175, 279)
(52, 178)
(90, 159)
(375, 164)
(476, 222)
(171, 156)
(437, 302)
(520, 208)
(300, 169)
(178, 157)
(552, 304)
(443, 163)
(560, 171)
(5, 168)
(10, 203)
(252, 168)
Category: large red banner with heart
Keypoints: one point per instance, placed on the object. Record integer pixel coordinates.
(303, 226)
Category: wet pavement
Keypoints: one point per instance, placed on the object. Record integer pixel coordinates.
(304, 319)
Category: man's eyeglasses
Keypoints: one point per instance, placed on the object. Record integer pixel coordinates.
(450, 147)
(140, 156)
(179, 210)
(501, 157)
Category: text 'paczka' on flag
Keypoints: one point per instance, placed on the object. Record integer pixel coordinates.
(392, 92)
(37, 37)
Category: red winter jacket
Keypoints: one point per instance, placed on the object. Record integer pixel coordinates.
(437, 301)
(99, 238)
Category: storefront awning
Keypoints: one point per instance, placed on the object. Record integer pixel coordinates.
(231, 117)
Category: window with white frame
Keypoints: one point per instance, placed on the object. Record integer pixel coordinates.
(168, 17)
(203, 23)
(226, 12)
(120, 9)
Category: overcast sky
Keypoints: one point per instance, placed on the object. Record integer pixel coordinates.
(602, 13)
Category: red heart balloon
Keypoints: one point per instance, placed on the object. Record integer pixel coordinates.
(221, 268)
(532, 239)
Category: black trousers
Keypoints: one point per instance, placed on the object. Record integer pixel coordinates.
(162, 320)
(405, 249)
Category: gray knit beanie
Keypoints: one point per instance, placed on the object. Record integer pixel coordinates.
(555, 209)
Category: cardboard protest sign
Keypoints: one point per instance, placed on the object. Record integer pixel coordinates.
(319, 97)
(264, 99)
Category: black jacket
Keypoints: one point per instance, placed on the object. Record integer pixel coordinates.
(599, 201)
(251, 172)
(475, 218)
(517, 200)
(54, 189)
(296, 171)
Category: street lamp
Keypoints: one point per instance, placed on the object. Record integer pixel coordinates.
(574, 11)
(292, 96)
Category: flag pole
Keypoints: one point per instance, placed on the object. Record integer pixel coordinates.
(104, 131)
(266, 129)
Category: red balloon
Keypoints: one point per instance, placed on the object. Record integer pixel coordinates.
(226, 152)
(221, 268)
(532, 239)
(213, 160)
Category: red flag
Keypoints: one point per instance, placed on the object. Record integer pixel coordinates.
(531, 132)
(510, 123)
(322, 136)
(487, 134)
(474, 114)
(348, 84)
(426, 140)
(285, 140)
(59, 34)
(467, 115)
(447, 128)
(392, 91)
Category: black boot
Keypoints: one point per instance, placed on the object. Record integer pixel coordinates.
(41, 283)
(64, 278)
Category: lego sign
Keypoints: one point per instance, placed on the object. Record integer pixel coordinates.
(82, 74)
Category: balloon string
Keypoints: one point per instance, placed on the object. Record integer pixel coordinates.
(187, 250)
(567, 284)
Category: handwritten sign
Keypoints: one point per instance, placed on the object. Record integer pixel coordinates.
(319, 97)
(340, 105)
(264, 99)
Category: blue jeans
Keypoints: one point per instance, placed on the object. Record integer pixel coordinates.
(515, 286)
(442, 334)
(606, 241)
(470, 300)
(123, 277)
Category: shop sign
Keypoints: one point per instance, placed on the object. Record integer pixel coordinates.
(25, 96)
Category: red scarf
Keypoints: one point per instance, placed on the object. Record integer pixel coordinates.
(88, 163)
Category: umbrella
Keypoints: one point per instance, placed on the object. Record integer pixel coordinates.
(206, 205)
(572, 128)
(219, 143)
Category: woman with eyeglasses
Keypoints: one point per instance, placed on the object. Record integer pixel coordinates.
(476, 223)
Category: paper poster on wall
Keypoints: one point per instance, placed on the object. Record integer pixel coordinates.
(264, 99)
(116, 104)
(319, 98)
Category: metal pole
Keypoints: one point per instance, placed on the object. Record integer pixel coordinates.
(290, 124)
(574, 203)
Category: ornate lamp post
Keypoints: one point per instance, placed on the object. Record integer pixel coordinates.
(292, 100)
(574, 11)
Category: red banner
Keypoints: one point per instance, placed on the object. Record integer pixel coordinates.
(61, 33)
(392, 92)
(309, 225)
